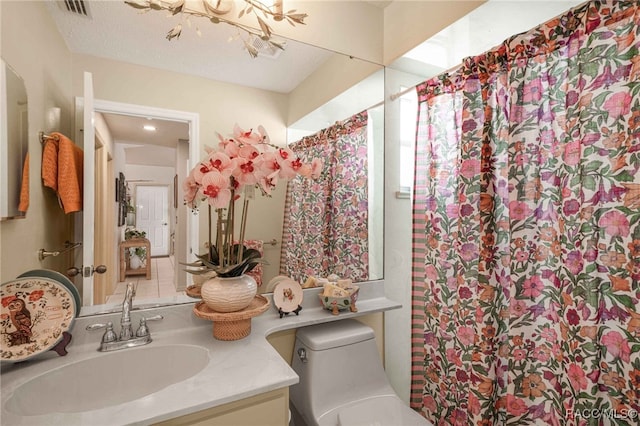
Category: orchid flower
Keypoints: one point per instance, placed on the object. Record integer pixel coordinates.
(190, 188)
(268, 182)
(247, 158)
(288, 162)
(249, 152)
(221, 162)
(215, 186)
(248, 137)
(227, 145)
(245, 172)
(270, 163)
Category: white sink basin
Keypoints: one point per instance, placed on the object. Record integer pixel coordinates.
(111, 379)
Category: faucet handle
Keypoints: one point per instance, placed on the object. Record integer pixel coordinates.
(109, 335)
(143, 330)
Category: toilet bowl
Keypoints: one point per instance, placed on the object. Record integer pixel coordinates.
(342, 381)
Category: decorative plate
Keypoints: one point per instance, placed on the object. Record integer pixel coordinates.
(35, 312)
(287, 295)
(61, 278)
(274, 281)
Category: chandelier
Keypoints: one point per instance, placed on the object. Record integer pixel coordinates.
(214, 11)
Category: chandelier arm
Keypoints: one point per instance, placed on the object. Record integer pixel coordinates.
(262, 7)
(263, 31)
(209, 16)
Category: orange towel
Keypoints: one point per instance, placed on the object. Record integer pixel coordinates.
(50, 164)
(24, 186)
(62, 170)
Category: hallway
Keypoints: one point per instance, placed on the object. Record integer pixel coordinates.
(160, 285)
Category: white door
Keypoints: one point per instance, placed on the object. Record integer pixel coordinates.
(152, 216)
(88, 191)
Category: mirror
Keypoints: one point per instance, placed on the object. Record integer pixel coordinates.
(109, 81)
(14, 148)
(134, 154)
(365, 255)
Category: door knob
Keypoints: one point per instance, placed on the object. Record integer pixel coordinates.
(73, 271)
(165, 224)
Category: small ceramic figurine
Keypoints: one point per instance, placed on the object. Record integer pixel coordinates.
(336, 299)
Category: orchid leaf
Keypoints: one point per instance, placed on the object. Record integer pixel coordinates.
(214, 256)
(197, 272)
(192, 264)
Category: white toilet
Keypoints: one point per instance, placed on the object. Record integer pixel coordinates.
(342, 381)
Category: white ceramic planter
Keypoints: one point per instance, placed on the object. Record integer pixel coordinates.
(199, 279)
(135, 262)
(229, 294)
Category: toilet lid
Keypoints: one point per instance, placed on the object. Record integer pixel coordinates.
(381, 411)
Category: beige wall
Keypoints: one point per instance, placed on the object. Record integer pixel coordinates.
(219, 105)
(350, 27)
(409, 23)
(32, 46)
(335, 76)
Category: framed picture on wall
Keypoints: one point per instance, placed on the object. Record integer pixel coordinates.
(121, 197)
(122, 213)
(175, 192)
(122, 189)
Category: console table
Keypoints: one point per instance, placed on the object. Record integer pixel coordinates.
(124, 261)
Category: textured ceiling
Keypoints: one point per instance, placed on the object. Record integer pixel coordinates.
(143, 147)
(117, 31)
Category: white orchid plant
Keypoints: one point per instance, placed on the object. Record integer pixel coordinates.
(242, 162)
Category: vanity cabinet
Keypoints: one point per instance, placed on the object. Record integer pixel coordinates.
(270, 408)
(267, 409)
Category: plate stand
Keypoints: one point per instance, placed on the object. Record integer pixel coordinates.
(283, 313)
(61, 347)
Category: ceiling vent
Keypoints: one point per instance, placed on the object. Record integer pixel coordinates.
(77, 7)
(265, 49)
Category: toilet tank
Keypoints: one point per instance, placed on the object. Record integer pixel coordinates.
(342, 365)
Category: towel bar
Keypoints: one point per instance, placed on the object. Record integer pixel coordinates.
(272, 242)
(44, 137)
(42, 253)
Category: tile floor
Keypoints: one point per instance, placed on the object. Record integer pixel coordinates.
(160, 285)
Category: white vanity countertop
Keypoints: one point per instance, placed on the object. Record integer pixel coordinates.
(237, 370)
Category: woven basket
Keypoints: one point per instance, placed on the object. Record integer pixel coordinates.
(231, 330)
(194, 291)
(232, 325)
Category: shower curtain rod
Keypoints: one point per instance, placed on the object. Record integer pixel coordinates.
(392, 97)
(395, 96)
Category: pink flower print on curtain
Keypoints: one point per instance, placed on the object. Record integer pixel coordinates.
(326, 228)
(526, 260)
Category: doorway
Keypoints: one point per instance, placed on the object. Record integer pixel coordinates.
(152, 216)
(182, 236)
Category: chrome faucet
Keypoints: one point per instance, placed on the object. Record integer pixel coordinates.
(110, 342)
(126, 333)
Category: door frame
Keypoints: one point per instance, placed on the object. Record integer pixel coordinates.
(186, 253)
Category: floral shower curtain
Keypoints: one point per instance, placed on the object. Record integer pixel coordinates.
(526, 265)
(326, 220)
